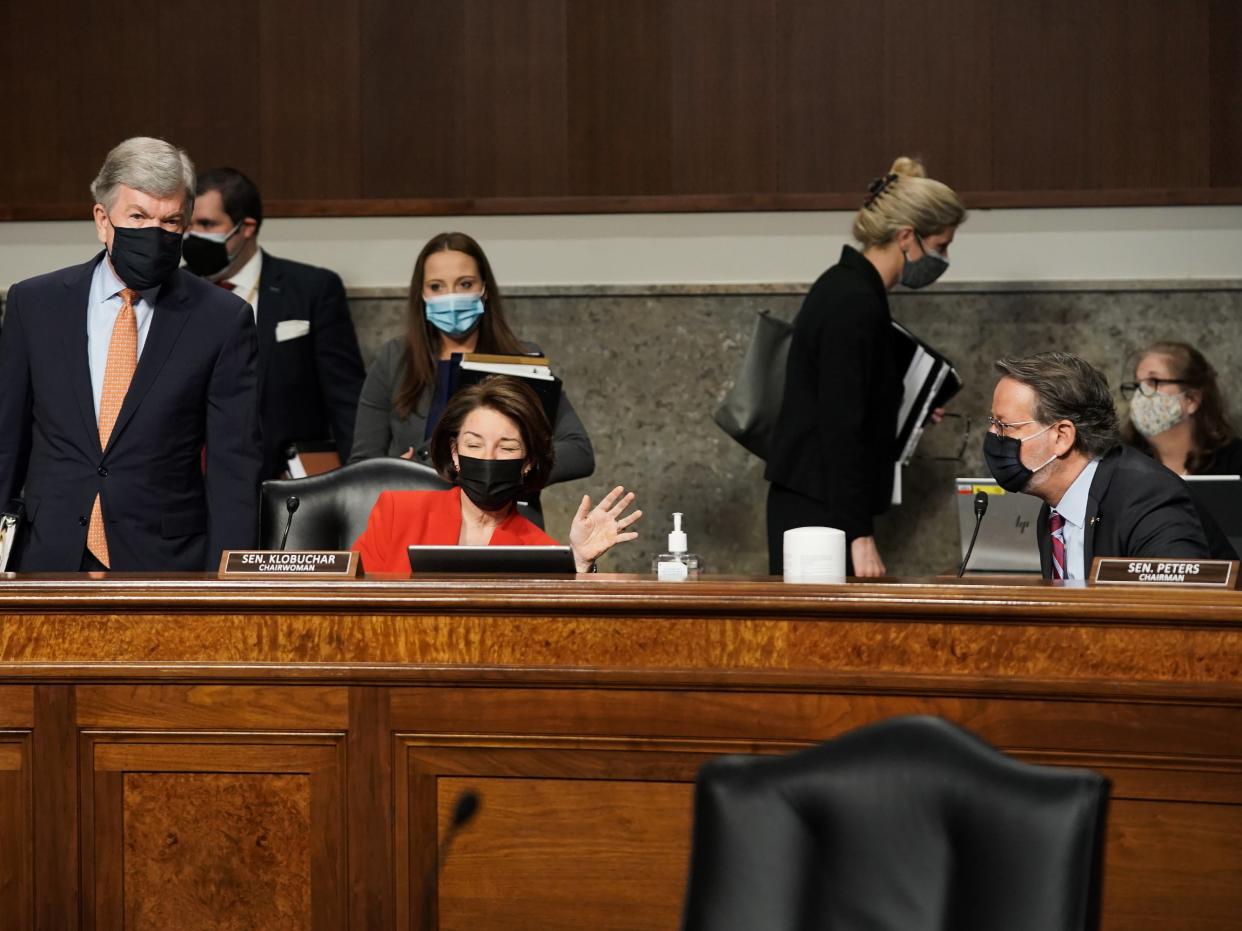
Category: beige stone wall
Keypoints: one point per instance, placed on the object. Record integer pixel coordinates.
(646, 367)
(645, 371)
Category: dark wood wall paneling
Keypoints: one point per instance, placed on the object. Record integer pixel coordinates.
(341, 107)
(620, 65)
(1226, 84)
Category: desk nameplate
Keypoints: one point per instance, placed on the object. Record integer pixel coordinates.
(1182, 573)
(249, 564)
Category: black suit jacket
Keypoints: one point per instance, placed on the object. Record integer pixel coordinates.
(194, 387)
(309, 384)
(1135, 507)
(836, 437)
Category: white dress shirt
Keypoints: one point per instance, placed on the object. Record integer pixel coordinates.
(1073, 507)
(102, 308)
(246, 282)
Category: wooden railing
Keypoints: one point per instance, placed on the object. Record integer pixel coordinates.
(180, 752)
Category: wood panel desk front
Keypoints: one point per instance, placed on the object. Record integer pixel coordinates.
(185, 752)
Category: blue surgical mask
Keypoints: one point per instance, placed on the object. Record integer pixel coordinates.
(454, 314)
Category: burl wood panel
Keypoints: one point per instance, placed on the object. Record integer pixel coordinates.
(212, 832)
(1011, 632)
(214, 851)
(541, 853)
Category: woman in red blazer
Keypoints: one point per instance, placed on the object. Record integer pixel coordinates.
(495, 443)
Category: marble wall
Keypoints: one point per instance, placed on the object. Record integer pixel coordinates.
(646, 367)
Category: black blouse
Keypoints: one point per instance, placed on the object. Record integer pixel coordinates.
(836, 437)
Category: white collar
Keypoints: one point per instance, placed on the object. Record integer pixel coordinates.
(246, 281)
(111, 284)
(1073, 504)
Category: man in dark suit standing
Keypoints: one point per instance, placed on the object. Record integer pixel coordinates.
(1054, 435)
(310, 369)
(128, 399)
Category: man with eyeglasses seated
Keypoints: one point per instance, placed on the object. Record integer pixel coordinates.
(1054, 434)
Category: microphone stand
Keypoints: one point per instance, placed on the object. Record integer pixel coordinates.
(981, 508)
(291, 505)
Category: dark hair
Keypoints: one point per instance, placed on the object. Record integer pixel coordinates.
(1210, 425)
(1068, 388)
(422, 344)
(239, 194)
(515, 400)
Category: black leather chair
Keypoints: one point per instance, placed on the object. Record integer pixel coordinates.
(334, 506)
(911, 824)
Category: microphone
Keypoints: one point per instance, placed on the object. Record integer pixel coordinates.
(981, 508)
(291, 505)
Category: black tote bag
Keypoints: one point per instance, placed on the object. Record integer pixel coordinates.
(752, 406)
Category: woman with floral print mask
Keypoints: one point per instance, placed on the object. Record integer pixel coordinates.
(1177, 415)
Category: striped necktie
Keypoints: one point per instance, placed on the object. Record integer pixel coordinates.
(118, 373)
(1056, 529)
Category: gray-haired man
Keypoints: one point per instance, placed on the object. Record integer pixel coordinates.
(1054, 435)
(128, 398)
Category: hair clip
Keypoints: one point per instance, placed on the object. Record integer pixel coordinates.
(877, 187)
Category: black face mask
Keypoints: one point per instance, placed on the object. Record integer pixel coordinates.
(205, 255)
(145, 258)
(919, 273)
(1004, 459)
(491, 484)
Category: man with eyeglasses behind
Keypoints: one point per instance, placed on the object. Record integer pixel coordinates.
(1054, 434)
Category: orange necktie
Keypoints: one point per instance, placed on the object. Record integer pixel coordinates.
(118, 373)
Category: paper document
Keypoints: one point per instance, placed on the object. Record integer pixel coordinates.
(928, 381)
(8, 536)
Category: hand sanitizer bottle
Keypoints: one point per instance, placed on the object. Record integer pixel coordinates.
(676, 565)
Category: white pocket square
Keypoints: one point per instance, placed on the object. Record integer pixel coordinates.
(291, 329)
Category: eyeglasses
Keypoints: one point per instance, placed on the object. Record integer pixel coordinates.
(1148, 386)
(999, 426)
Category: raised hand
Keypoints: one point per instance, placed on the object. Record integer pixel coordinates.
(597, 530)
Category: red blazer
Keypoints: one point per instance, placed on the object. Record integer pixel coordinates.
(428, 518)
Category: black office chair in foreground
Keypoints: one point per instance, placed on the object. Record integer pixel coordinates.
(911, 824)
(333, 507)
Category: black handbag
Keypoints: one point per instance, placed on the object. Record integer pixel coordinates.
(752, 406)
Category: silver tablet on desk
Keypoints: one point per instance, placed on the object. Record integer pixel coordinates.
(1007, 535)
(498, 560)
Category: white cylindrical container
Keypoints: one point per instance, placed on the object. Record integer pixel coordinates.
(815, 554)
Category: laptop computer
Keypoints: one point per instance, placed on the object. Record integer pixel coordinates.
(500, 560)
(1006, 540)
(1218, 499)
